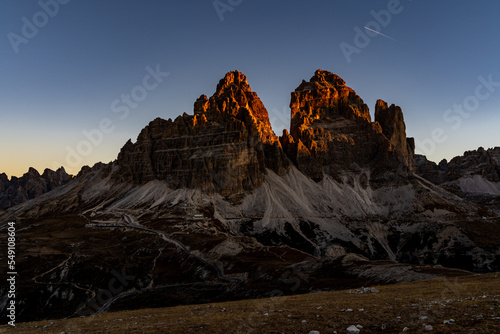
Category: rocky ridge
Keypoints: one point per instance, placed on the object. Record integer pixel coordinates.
(474, 175)
(481, 162)
(31, 185)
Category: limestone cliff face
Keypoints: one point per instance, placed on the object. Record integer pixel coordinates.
(393, 127)
(225, 147)
(235, 98)
(228, 144)
(331, 131)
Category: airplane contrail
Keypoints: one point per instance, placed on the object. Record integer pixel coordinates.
(377, 32)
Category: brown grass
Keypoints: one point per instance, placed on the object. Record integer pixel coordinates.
(472, 301)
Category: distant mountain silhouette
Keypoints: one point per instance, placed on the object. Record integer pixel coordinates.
(30, 185)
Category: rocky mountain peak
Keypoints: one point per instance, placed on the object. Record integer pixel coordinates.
(331, 130)
(234, 97)
(234, 80)
(225, 147)
(325, 96)
(32, 171)
(228, 144)
(322, 79)
(56, 177)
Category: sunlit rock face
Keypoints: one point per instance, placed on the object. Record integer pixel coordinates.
(225, 147)
(228, 144)
(331, 132)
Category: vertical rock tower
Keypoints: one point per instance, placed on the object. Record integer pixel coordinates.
(225, 147)
(331, 132)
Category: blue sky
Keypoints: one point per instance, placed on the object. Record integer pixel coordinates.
(69, 75)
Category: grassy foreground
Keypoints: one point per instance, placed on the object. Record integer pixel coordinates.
(469, 304)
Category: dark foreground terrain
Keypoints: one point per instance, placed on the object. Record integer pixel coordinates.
(467, 304)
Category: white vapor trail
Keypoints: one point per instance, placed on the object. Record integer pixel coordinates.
(377, 32)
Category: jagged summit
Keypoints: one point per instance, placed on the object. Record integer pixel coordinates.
(31, 185)
(322, 79)
(228, 144)
(235, 97)
(325, 95)
(234, 79)
(33, 171)
(225, 147)
(331, 131)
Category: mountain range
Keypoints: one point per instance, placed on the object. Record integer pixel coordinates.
(215, 206)
(30, 185)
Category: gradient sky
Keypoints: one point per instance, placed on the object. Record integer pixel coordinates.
(65, 77)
